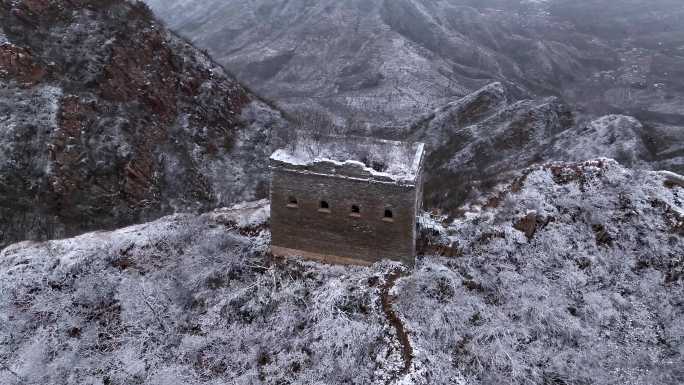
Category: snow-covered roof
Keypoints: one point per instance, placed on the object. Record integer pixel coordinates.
(354, 157)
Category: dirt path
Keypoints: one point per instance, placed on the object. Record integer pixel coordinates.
(395, 321)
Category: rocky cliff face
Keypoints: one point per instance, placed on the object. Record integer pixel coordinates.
(110, 119)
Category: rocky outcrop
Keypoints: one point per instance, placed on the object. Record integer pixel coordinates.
(483, 139)
(17, 63)
(110, 119)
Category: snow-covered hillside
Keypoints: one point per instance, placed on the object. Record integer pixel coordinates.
(486, 137)
(573, 274)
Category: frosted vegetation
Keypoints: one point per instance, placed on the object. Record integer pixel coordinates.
(186, 300)
(571, 275)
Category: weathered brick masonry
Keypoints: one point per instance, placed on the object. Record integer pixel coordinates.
(342, 211)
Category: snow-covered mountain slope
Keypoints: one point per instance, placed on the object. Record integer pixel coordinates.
(108, 119)
(573, 275)
(386, 61)
(485, 138)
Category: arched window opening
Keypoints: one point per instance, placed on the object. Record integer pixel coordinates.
(324, 207)
(355, 211)
(389, 216)
(292, 202)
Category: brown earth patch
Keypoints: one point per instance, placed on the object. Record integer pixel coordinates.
(141, 69)
(576, 172)
(402, 334)
(65, 150)
(18, 64)
(531, 223)
(515, 187)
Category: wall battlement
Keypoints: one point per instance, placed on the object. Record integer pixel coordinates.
(347, 200)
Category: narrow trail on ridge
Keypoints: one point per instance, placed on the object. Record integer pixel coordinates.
(402, 334)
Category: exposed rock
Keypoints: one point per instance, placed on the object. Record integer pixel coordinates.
(672, 180)
(110, 119)
(531, 223)
(483, 140)
(17, 63)
(603, 237)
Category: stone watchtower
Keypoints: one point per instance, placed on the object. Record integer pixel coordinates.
(346, 200)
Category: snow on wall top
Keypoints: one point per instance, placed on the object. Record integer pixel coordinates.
(3, 37)
(354, 157)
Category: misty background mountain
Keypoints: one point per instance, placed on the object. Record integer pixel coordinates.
(387, 61)
(491, 86)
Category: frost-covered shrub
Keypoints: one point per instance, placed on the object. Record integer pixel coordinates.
(564, 306)
(186, 300)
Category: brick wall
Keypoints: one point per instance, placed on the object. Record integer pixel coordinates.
(367, 237)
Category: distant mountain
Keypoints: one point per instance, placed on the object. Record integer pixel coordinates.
(384, 61)
(108, 119)
(491, 86)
